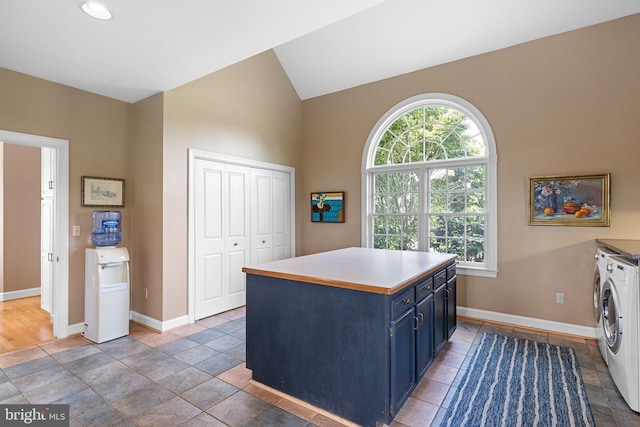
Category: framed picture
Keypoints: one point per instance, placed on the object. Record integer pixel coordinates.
(581, 200)
(102, 192)
(327, 206)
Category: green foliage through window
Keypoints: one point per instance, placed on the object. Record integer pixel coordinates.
(443, 198)
(429, 133)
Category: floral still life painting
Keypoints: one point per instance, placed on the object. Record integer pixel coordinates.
(581, 200)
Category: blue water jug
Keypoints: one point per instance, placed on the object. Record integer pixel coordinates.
(106, 228)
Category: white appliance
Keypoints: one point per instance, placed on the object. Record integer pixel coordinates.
(599, 277)
(620, 317)
(106, 294)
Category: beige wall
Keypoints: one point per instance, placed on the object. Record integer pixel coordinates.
(21, 174)
(146, 271)
(566, 104)
(247, 110)
(98, 130)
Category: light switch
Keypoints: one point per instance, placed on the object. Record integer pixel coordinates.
(76, 231)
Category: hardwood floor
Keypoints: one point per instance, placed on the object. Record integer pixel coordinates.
(23, 324)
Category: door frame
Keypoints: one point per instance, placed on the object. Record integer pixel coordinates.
(60, 281)
(195, 154)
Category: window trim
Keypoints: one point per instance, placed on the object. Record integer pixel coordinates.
(491, 159)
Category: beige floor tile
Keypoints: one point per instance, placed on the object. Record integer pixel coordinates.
(137, 331)
(450, 358)
(64, 344)
(20, 356)
(461, 347)
(465, 336)
(261, 393)
(416, 413)
(238, 376)
(159, 339)
(186, 330)
(431, 391)
(296, 409)
(441, 373)
(324, 421)
(209, 322)
(572, 338)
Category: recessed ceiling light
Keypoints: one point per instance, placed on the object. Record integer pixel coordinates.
(96, 10)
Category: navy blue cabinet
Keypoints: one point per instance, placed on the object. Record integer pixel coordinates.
(424, 335)
(403, 374)
(422, 330)
(451, 301)
(355, 353)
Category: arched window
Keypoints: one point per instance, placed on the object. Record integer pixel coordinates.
(429, 182)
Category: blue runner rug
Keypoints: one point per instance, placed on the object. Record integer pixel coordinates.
(515, 382)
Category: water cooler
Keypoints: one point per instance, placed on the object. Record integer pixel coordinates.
(106, 288)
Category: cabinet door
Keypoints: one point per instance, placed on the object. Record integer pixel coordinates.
(440, 317)
(451, 307)
(424, 335)
(403, 374)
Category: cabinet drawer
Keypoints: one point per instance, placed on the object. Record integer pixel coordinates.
(439, 278)
(424, 288)
(402, 303)
(451, 271)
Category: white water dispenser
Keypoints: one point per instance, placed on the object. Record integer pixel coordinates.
(106, 294)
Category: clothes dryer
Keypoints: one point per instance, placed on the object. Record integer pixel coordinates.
(620, 317)
(599, 277)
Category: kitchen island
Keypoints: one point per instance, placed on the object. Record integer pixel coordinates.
(350, 331)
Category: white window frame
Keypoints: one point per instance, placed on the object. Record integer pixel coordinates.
(490, 268)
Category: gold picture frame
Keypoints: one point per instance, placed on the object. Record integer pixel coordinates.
(102, 192)
(572, 200)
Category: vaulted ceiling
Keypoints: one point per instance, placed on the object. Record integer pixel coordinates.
(150, 46)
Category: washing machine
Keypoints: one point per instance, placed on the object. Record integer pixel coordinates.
(620, 318)
(599, 277)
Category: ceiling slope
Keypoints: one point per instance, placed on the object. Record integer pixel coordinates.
(324, 46)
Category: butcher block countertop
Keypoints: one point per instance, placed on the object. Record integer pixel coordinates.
(378, 271)
(628, 248)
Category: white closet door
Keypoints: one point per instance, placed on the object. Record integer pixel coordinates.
(48, 174)
(46, 253)
(281, 213)
(270, 216)
(261, 216)
(221, 233)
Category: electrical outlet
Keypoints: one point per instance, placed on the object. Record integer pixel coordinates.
(146, 293)
(559, 298)
(76, 231)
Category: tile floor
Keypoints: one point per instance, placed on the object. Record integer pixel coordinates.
(195, 376)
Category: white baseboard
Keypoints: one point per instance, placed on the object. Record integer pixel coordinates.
(529, 322)
(78, 328)
(23, 293)
(159, 325)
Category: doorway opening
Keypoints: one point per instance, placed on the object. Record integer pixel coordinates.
(59, 224)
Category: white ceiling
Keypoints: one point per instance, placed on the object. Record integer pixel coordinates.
(324, 45)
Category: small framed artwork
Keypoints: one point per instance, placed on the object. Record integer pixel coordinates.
(102, 192)
(578, 200)
(327, 206)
